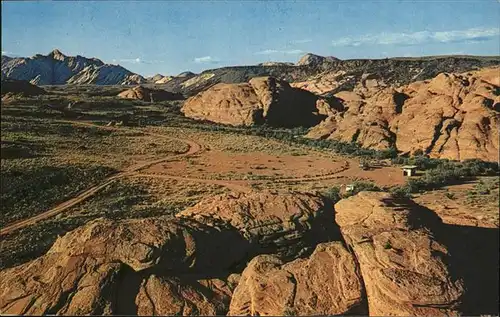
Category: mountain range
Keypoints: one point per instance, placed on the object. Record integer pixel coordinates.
(59, 69)
(329, 74)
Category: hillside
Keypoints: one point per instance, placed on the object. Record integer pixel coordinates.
(338, 74)
(59, 69)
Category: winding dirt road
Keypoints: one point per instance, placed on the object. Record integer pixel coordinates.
(134, 171)
(193, 149)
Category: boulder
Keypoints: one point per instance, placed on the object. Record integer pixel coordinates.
(406, 272)
(99, 267)
(262, 99)
(326, 283)
(145, 94)
(286, 223)
(177, 296)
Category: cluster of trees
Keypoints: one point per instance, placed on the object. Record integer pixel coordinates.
(438, 173)
(444, 172)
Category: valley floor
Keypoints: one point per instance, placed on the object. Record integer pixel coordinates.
(58, 174)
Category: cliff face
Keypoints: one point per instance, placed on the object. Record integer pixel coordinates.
(453, 116)
(262, 99)
(59, 69)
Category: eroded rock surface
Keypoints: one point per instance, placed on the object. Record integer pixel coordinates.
(160, 265)
(262, 99)
(280, 222)
(149, 95)
(453, 116)
(406, 272)
(326, 283)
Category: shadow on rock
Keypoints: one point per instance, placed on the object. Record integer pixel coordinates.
(473, 256)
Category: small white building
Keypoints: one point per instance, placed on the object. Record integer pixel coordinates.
(409, 170)
(346, 188)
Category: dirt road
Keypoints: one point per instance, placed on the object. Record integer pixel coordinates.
(193, 149)
(134, 171)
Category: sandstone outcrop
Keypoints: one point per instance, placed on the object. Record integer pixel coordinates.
(385, 258)
(157, 265)
(453, 116)
(145, 94)
(326, 283)
(279, 223)
(262, 99)
(406, 272)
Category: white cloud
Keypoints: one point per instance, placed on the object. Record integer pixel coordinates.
(6, 53)
(205, 60)
(470, 35)
(287, 52)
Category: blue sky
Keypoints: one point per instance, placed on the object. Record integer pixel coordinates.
(169, 37)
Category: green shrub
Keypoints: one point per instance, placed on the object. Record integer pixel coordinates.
(360, 186)
(400, 192)
(333, 194)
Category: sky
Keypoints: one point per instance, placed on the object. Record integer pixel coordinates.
(169, 37)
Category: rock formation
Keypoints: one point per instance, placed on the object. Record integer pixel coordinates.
(326, 283)
(158, 265)
(263, 99)
(312, 59)
(295, 261)
(452, 116)
(59, 69)
(406, 272)
(145, 94)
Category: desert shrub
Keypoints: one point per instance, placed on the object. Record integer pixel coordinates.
(333, 194)
(360, 186)
(418, 152)
(29, 190)
(421, 161)
(447, 173)
(400, 192)
(484, 188)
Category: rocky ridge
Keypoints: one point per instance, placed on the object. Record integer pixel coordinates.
(59, 69)
(460, 113)
(341, 74)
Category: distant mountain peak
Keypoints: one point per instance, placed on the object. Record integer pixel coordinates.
(313, 59)
(57, 54)
(56, 68)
